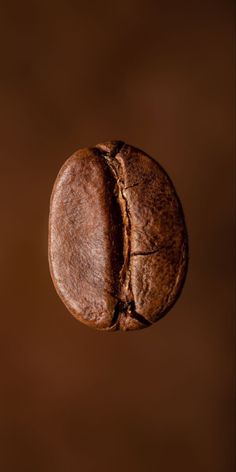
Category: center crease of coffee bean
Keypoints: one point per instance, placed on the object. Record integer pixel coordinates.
(125, 305)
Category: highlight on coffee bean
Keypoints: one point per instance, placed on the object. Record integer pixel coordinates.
(118, 248)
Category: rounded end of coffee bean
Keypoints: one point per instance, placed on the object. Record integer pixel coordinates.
(118, 247)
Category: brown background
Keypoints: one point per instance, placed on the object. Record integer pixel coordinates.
(159, 76)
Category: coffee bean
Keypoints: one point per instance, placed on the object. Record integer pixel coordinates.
(117, 238)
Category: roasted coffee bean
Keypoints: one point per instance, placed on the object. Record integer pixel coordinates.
(117, 238)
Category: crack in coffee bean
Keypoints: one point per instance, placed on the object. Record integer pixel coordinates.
(125, 299)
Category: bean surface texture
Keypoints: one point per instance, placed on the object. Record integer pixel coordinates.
(117, 238)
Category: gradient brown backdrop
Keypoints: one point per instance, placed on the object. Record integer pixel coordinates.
(159, 76)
